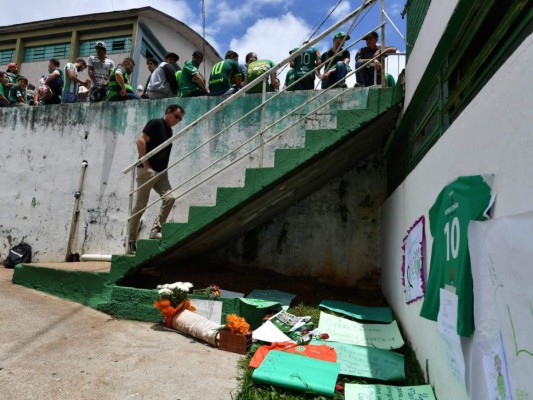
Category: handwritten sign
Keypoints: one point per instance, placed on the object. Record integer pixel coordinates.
(368, 362)
(386, 392)
(382, 336)
(413, 262)
(379, 314)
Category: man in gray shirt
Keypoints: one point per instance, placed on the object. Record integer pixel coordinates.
(163, 80)
(99, 69)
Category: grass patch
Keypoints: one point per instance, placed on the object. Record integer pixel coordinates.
(254, 391)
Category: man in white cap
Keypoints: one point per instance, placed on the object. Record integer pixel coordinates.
(99, 69)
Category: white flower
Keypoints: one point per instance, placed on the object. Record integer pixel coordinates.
(165, 292)
(185, 286)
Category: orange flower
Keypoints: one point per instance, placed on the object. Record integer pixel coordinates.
(160, 304)
(237, 324)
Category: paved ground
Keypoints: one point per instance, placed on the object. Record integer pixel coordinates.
(54, 349)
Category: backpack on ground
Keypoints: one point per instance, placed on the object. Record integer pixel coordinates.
(21, 253)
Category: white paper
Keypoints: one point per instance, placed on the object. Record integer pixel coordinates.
(447, 327)
(268, 332)
(413, 262)
(501, 252)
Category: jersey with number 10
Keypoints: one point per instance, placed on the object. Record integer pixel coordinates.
(306, 62)
(464, 200)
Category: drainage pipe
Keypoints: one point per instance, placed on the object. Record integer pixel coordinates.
(96, 257)
(69, 257)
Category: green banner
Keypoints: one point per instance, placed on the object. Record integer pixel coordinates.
(293, 371)
(379, 314)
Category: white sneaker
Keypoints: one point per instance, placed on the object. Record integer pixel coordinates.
(156, 235)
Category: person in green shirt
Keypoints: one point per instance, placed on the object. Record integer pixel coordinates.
(225, 76)
(4, 90)
(119, 85)
(257, 68)
(308, 61)
(290, 78)
(192, 83)
(17, 93)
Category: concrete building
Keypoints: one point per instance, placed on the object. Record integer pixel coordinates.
(137, 33)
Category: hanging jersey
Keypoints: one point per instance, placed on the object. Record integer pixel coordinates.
(465, 199)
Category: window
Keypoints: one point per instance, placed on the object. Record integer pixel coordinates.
(118, 44)
(7, 56)
(148, 52)
(44, 53)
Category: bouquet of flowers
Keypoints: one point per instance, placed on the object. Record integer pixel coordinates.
(212, 291)
(236, 324)
(173, 299)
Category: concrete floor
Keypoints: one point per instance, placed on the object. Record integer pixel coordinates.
(56, 349)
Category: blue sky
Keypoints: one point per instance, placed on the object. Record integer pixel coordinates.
(268, 27)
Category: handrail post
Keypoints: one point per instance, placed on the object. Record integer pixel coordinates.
(263, 123)
(130, 207)
(382, 56)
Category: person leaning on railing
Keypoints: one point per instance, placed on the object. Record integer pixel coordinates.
(192, 83)
(119, 85)
(365, 76)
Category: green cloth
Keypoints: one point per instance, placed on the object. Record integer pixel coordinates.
(306, 62)
(222, 74)
(187, 84)
(114, 87)
(464, 200)
(256, 69)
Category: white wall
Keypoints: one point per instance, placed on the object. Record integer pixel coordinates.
(435, 23)
(492, 135)
(43, 149)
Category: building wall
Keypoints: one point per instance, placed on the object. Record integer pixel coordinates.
(492, 135)
(44, 148)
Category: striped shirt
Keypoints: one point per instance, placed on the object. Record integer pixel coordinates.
(70, 86)
(102, 69)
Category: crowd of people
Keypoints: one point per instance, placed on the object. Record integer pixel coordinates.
(108, 82)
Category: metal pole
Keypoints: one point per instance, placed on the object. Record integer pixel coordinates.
(130, 207)
(263, 122)
(69, 257)
(382, 58)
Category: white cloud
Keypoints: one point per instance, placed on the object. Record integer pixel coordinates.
(341, 11)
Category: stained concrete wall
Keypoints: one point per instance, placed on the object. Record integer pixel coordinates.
(43, 149)
(333, 234)
(492, 135)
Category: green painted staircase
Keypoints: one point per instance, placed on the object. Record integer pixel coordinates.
(266, 192)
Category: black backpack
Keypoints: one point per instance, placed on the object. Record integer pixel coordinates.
(21, 253)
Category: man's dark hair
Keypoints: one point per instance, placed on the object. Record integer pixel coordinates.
(31, 86)
(128, 59)
(81, 61)
(172, 55)
(174, 107)
(55, 62)
(2, 74)
(250, 55)
(198, 54)
(151, 60)
(22, 78)
(231, 54)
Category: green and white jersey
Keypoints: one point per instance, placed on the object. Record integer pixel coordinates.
(222, 74)
(464, 200)
(306, 62)
(187, 84)
(70, 86)
(256, 69)
(290, 78)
